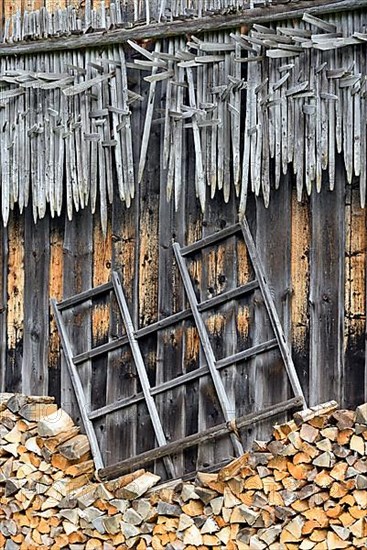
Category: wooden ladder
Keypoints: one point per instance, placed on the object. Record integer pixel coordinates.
(212, 366)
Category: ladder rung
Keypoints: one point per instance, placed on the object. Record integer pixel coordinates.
(183, 379)
(155, 390)
(210, 239)
(246, 354)
(100, 350)
(145, 331)
(83, 296)
(164, 323)
(229, 295)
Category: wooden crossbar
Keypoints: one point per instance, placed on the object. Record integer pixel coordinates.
(191, 440)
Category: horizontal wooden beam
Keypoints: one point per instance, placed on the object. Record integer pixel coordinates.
(182, 27)
(210, 240)
(141, 460)
(84, 296)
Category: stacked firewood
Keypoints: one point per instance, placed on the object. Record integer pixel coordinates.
(305, 489)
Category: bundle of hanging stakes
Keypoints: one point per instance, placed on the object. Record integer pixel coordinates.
(252, 104)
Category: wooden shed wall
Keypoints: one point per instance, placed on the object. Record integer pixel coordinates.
(314, 254)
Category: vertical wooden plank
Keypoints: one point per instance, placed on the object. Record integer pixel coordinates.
(171, 404)
(300, 278)
(218, 275)
(3, 303)
(55, 290)
(244, 313)
(102, 258)
(78, 248)
(355, 298)
(122, 426)
(36, 305)
(268, 377)
(148, 253)
(15, 306)
(327, 291)
(121, 372)
(192, 218)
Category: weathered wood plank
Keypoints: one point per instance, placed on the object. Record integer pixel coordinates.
(78, 248)
(122, 427)
(355, 298)
(147, 230)
(207, 435)
(171, 405)
(269, 377)
(327, 291)
(102, 258)
(55, 289)
(192, 218)
(3, 303)
(15, 305)
(36, 305)
(300, 281)
(182, 379)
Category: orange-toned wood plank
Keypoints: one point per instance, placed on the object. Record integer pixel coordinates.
(300, 277)
(148, 264)
(55, 291)
(15, 306)
(355, 298)
(102, 257)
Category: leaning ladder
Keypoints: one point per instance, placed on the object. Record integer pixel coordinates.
(213, 367)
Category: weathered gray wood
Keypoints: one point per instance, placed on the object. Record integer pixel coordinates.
(122, 426)
(210, 434)
(170, 365)
(3, 300)
(246, 354)
(36, 311)
(185, 378)
(326, 291)
(147, 121)
(353, 387)
(15, 303)
(77, 263)
(189, 26)
(209, 240)
(83, 296)
(226, 406)
(278, 330)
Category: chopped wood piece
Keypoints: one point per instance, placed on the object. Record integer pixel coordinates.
(361, 414)
(139, 486)
(53, 423)
(75, 448)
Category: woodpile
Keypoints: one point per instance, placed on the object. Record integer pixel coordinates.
(304, 489)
